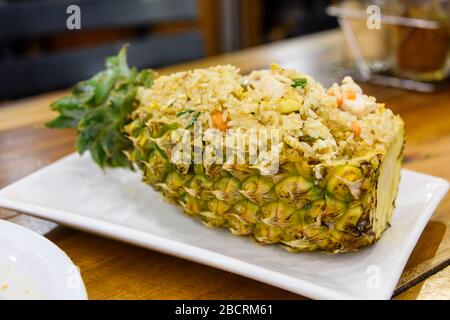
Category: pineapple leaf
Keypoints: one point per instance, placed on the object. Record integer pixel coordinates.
(99, 108)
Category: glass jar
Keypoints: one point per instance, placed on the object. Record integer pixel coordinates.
(374, 44)
(423, 53)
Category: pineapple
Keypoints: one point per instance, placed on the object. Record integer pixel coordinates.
(345, 207)
(346, 210)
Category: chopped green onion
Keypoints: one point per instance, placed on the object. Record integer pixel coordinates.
(184, 112)
(307, 139)
(193, 120)
(299, 83)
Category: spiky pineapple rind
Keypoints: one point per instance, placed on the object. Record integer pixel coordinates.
(335, 214)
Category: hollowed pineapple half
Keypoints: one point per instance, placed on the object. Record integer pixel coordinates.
(346, 210)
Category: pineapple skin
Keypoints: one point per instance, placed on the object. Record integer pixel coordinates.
(342, 212)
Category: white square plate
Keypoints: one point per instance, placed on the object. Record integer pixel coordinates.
(116, 204)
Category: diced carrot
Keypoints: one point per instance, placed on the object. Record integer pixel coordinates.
(218, 122)
(356, 128)
(350, 95)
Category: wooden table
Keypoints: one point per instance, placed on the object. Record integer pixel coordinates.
(114, 270)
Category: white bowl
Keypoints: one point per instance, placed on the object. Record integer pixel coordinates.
(32, 267)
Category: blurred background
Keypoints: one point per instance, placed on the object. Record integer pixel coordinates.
(35, 39)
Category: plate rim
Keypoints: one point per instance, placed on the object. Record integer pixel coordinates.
(214, 259)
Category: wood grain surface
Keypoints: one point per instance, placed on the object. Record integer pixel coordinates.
(114, 270)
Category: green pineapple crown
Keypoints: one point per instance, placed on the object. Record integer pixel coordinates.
(100, 107)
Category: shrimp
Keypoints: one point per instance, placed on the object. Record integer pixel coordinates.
(349, 97)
